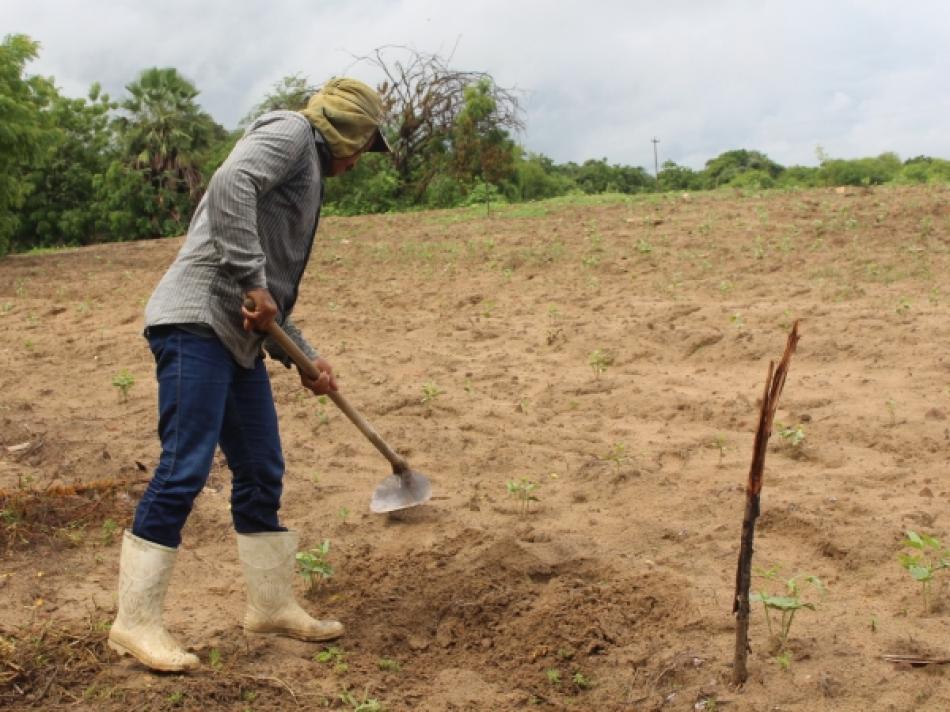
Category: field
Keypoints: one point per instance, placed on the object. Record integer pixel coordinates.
(611, 351)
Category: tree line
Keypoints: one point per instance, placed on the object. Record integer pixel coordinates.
(76, 171)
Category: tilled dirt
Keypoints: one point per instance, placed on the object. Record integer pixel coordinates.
(611, 351)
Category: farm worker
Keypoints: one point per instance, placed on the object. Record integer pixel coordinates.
(250, 237)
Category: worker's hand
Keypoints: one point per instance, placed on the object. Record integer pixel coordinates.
(323, 385)
(265, 311)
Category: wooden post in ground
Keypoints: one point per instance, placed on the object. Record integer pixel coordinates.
(740, 602)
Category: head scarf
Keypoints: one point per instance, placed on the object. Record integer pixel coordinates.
(348, 114)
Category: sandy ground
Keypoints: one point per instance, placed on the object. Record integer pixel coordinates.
(472, 342)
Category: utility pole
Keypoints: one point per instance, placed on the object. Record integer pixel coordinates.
(656, 164)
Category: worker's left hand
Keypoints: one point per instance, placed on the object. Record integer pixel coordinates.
(323, 385)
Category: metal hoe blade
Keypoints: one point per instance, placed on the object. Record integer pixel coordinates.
(401, 491)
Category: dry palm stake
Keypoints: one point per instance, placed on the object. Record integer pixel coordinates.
(740, 604)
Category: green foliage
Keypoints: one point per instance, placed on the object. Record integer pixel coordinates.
(78, 171)
(25, 130)
(430, 391)
(164, 135)
(523, 490)
(928, 558)
(290, 93)
(63, 206)
(600, 361)
(787, 603)
(124, 382)
(313, 563)
(862, 171)
(794, 435)
(732, 167)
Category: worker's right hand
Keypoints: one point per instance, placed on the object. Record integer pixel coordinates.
(265, 310)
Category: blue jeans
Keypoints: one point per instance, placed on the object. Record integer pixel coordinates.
(205, 399)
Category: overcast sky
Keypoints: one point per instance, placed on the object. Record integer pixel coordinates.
(600, 78)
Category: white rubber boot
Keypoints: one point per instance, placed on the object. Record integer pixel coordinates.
(144, 571)
(268, 560)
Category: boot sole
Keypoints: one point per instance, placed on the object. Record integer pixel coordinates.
(146, 661)
(296, 635)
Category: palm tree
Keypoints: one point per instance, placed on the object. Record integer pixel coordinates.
(164, 131)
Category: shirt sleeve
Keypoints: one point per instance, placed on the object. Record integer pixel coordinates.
(278, 354)
(261, 159)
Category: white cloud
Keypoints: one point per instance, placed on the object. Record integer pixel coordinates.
(601, 78)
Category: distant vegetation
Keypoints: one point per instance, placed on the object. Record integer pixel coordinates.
(94, 169)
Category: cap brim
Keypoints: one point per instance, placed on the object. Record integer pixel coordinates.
(379, 144)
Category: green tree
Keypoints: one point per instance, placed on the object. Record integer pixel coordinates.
(537, 177)
(291, 92)
(164, 137)
(481, 147)
(63, 206)
(726, 167)
(24, 129)
(675, 177)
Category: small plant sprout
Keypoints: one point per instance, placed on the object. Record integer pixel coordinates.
(736, 320)
(928, 558)
(892, 409)
(793, 435)
(313, 563)
(124, 382)
(389, 665)
(214, 659)
(366, 704)
(617, 454)
(581, 681)
(323, 418)
(721, 444)
(553, 675)
(430, 392)
(109, 530)
(600, 361)
(523, 490)
(343, 513)
(903, 306)
(787, 605)
(330, 654)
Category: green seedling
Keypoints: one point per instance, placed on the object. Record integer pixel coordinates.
(367, 704)
(644, 247)
(343, 513)
(736, 320)
(109, 530)
(313, 564)
(903, 306)
(721, 444)
(617, 455)
(124, 382)
(794, 436)
(581, 681)
(430, 392)
(600, 361)
(389, 665)
(891, 405)
(6, 307)
(553, 675)
(786, 605)
(929, 558)
(323, 418)
(523, 490)
(214, 659)
(330, 654)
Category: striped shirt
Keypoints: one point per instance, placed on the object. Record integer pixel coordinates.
(253, 228)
